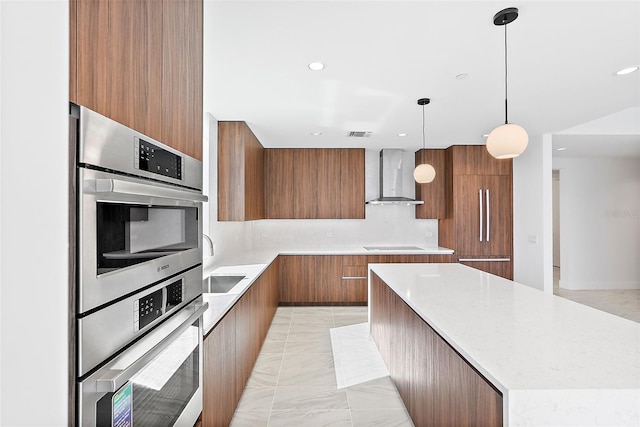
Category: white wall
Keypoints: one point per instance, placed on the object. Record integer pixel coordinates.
(532, 218)
(556, 218)
(600, 216)
(34, 100)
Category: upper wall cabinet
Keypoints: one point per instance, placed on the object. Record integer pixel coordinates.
(433, 193)
(476, 160)
(140, 63)
(241, 189)
(315, 183)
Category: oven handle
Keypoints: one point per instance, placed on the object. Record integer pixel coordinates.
(116, 378)
(118, 186)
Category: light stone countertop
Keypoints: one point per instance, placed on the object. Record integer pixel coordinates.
(556, 362)
(254, 263)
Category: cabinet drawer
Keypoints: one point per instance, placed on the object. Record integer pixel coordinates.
(354, 272)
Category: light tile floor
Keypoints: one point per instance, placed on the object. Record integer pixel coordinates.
(294, 380)
(624, 302)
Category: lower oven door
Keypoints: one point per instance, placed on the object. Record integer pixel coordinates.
(155, 382)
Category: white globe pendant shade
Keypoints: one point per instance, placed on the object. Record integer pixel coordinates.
(424, 173)
(507, 141)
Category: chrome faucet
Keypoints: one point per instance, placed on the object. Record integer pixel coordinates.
(208, 239)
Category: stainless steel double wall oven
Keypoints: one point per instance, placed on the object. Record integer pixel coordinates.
(138, 283)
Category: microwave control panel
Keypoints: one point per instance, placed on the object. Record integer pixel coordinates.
(151, 158)
(155, 304)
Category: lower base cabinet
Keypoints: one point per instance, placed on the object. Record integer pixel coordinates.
(334, 279)
(231, 348)
(437, 385)
(220, 397)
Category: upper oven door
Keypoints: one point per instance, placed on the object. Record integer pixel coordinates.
(133, 233)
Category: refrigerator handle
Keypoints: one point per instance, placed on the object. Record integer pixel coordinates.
(488, 216)
(480, 200)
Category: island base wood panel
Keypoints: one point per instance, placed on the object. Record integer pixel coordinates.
(437, 385)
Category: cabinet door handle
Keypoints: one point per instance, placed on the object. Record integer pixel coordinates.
(354, 277)
(480, 200)
(488, 216)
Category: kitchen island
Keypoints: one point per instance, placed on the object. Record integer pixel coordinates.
(463, 345)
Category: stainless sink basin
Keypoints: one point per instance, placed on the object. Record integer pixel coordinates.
(218, 284)
(393, 248)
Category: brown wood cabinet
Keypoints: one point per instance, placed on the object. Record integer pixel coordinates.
(140, 64)
(241, 168)
(279, 183)
(232, 347)
(433, 194)
(334, 279)
(220, 396)
(438, 386)
(182, 75)
(479, 223)
(314, 183)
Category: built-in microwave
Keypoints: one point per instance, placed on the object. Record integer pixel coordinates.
(139, 211)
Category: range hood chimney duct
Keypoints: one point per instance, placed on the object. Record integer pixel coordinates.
(390, 176)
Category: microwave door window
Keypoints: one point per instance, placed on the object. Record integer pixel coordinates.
(132, 234)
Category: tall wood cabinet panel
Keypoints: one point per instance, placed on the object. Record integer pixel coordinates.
(119, 64)
(479, 223)
(241, 166)
(438, 386)
(279, 184)
(73, 51)
(140, 64)
(182, 72)
(433, 193)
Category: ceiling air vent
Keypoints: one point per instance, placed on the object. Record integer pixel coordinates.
(359, 134)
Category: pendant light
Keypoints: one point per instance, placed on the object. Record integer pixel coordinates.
(508, 140)
(424, 173)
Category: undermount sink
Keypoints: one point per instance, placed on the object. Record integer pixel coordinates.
(220, 284)
(393, 248)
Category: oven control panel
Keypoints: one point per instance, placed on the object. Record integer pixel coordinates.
(151, 158)
(157, 303)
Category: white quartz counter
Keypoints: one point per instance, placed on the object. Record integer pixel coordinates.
(379, 250)
(219, 304)
(253, 263)
(557, 362)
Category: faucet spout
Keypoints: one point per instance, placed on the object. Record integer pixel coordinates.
(209, 242)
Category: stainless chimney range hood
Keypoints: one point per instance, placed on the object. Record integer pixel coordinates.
(390, 176)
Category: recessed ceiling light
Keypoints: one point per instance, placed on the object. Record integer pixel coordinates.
(561, 149)
(462, 76)
(316, 66)
(486, 135)
(625, 71)
(316, 133)
(402, 134)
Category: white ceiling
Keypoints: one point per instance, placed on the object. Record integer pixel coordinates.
(381, 56)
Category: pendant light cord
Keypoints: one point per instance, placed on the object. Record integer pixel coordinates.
(423, 145)
(506, 121)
